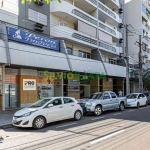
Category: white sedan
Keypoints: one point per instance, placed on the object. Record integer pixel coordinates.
(136, 100)
(46, 111)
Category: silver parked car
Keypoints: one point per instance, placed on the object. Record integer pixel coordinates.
(102, 101)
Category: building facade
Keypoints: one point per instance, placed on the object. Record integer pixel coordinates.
(139, 24)
(70, 48)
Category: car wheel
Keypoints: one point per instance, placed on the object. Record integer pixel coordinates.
(138, 105)
(146, 103)
(39, 122)
(121, 107)
(77, 115)
(98, 110)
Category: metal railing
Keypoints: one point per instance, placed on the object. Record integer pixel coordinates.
(93, 21)
(94, 42)
(102, 7)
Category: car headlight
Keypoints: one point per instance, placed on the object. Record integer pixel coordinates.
(88, 104)
(28, 114)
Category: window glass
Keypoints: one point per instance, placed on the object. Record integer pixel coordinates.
(113, 95)
(56, 102)
(69, 50)
(106, 96)
(143, 9)
(68, 100)
(131, 96)
(39, 103)
(80, 53)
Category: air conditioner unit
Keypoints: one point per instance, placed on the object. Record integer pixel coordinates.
(120, 10)
(38, 27)
(39, 2)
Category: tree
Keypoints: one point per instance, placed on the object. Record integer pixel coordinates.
(146, 77)
(30, 1)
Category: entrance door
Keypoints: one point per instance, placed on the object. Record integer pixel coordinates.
(11, 95)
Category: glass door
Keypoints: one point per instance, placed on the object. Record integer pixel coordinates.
(11, 95)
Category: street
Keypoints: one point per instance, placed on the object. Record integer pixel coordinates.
(114, 130)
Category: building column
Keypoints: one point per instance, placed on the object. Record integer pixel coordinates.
(107, 85)
(2, 88)
(94, 85)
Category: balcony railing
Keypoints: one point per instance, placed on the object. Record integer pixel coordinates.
(102, 7)
(93, 21)
(92, 41)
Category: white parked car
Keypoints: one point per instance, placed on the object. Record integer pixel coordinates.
(136, 100)
(46, 111)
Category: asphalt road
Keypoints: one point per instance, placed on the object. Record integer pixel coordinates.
(114, 130)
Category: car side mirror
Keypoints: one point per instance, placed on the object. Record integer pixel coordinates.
(50, 105)
(105, 97)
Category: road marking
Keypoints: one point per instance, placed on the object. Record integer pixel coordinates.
(106, 137)
(98, 118)
(131, 110)
(117, 114)
(66, 125)
(16, 136)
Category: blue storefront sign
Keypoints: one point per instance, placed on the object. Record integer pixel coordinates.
(31, 38)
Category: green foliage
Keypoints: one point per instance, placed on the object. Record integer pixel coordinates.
(31, 1)
(146, 77)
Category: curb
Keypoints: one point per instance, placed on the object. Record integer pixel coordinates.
(5, 126)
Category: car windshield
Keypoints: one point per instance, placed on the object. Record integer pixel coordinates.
(131, 96)
(39, 103)
(96, 96)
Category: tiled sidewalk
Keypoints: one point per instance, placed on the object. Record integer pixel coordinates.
(6, 117)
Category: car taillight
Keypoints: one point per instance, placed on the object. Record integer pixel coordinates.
(78, 103)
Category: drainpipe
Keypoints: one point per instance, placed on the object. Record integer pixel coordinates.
(98, 41)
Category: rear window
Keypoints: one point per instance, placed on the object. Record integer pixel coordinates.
(96, 96)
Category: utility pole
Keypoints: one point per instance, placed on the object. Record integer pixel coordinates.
(127, 64)
(140, 67)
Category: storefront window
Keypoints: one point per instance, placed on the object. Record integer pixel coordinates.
(69, 50)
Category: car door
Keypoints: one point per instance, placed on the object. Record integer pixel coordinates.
(115, 101)
(56, 112)
(140, 98)
(107, 102)
(69, 107)
(144, 99)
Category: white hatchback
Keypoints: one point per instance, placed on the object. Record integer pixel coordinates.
(46, 111)
(136, 100)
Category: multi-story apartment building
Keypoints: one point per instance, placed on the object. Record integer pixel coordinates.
(139, 24)
(77, 37)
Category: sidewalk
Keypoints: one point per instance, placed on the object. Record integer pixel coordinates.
(6, 118)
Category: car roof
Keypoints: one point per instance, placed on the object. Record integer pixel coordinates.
(58, 97)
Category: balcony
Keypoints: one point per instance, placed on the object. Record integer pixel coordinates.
(80, 64)
(115, 70)
(105, 12)
(74, 14)
(64, 32)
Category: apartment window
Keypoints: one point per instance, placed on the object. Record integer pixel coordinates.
(143, 9)
(144, 46)
(84, 54)
(112, 61)
(37, 17)
(69, 50)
